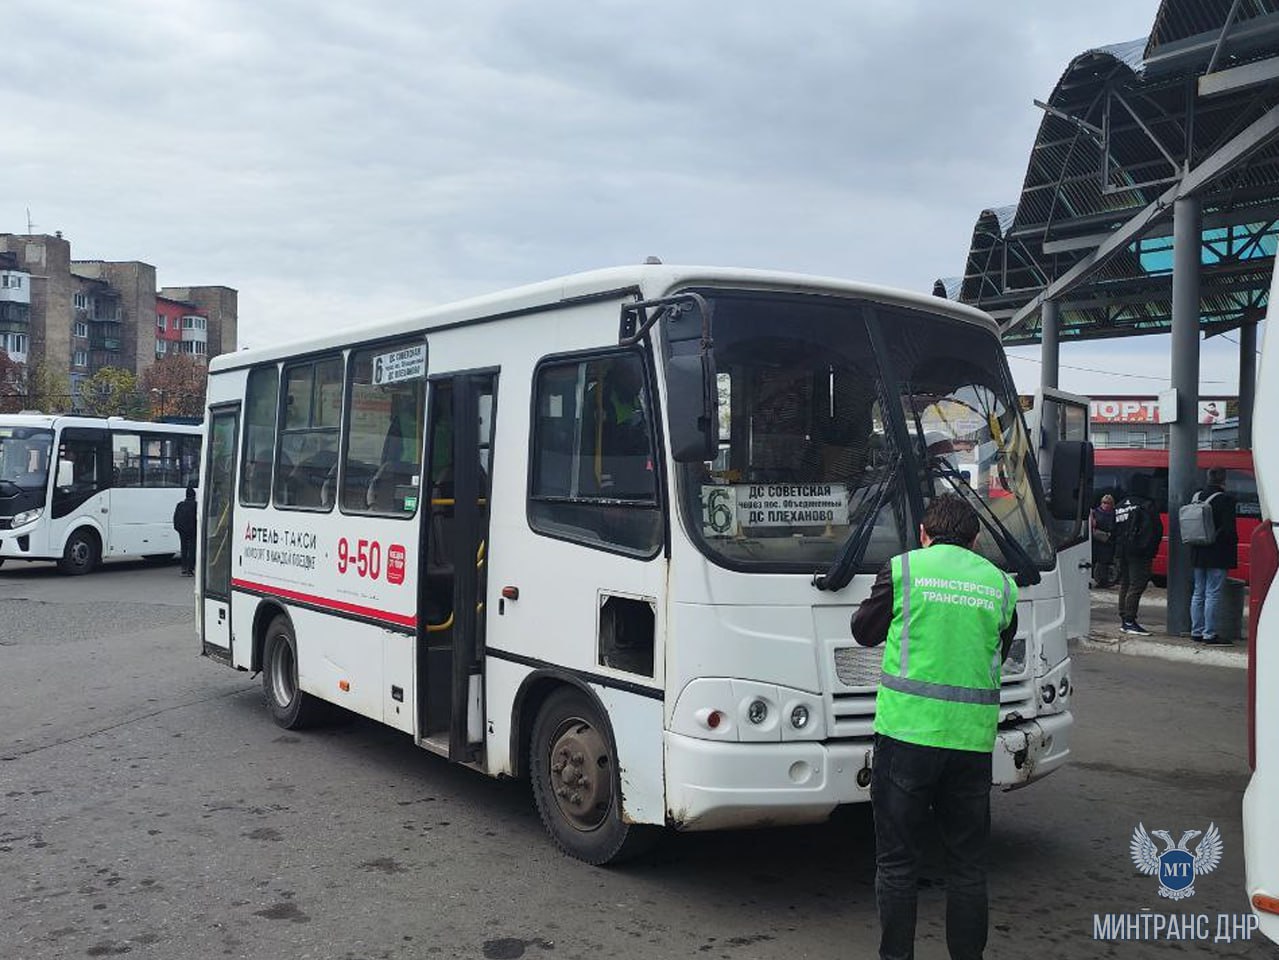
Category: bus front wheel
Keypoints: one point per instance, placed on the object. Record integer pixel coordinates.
(572, 761)
(81, 554)
(290, 707)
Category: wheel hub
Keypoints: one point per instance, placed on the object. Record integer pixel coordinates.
(581, 774)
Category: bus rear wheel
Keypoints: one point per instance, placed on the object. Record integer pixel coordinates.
(81, 554)
(572, 760)
(290, 707)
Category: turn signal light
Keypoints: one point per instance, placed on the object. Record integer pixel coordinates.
(714, 719)
(344, 686)
(1265, 904)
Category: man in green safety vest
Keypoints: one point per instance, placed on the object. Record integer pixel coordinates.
(946, 616)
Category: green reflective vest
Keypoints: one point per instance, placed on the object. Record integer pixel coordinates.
(941, 672)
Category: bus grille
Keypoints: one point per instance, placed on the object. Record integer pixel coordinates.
(856, 669)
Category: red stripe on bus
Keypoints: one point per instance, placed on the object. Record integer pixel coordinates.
(342, 606)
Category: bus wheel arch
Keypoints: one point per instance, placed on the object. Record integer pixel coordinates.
(266, 612)
(290, 707)
(567, 747)
(82, 551)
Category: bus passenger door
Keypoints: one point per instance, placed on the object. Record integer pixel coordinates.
(452, 587)
(1064, 417)
(216, 531)
(81, 481)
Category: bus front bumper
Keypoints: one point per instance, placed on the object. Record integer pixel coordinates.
(713, 785)
(16, 543)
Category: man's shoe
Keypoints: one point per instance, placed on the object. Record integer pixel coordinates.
(1135, 628)
(1197, 638)
(1217, 641)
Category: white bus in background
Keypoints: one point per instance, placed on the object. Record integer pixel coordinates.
(607, 532)
(79, 490)
(1261, 799)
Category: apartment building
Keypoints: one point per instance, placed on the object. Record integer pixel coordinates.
(79, 316)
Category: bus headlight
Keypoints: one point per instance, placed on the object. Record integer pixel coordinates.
(799, 717)
(757, 712)
(26, 516)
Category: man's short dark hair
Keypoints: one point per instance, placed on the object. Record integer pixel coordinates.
(1217, 476)
(951, 518)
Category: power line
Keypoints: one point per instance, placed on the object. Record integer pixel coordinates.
(1109, 373)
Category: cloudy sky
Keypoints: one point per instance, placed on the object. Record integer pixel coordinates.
(341, 162)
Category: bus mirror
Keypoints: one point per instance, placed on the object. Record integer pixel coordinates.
(1071, 493)
(694, 407)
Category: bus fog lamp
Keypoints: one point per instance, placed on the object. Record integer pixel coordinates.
(1048, 693)
(757, 712)
(1065, 686)
(799, 717)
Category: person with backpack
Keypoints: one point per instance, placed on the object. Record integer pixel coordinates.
(1138, 533)
(1214, 551)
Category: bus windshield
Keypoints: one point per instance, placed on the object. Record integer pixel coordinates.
(831, 409)
(24, 457)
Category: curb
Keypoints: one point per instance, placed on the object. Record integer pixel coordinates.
(1210, 656)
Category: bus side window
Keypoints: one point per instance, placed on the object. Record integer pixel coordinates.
(382, 459)
(306, 478)
(261, 402)
(592, 455)
(1242, 485)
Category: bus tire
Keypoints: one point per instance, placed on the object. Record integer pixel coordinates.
(81, 553)
(572, 763)
(290, 707)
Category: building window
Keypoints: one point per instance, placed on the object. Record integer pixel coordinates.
(81, 359)
(11, 280)
(13, 343)
(81, 301)
(159, 321)
(161, 347)
(81, 328)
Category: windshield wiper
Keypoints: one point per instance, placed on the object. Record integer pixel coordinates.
(849, 558)
(1009, 545)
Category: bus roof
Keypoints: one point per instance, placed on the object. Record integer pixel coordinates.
(647, 280)
(55, 420)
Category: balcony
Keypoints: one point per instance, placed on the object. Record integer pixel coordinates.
(97, 342)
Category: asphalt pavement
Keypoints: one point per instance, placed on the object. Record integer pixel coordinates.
(151, 809)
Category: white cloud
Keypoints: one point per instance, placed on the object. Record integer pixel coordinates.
(337, 161)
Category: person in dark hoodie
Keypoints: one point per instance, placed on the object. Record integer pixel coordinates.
(1138, 533)
(1213, 561)
(184, 523)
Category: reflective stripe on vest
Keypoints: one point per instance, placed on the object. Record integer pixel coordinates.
(939, 691)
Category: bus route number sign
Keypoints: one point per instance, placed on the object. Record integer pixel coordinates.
(726, 509)
(407, 363)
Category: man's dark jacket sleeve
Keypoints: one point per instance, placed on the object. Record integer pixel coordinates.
(873, 618)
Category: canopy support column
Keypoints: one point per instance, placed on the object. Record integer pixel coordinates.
(1247, 381)
(1050, 343)
(1183, 438)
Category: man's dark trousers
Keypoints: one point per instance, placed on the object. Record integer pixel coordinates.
(907, 782)
(188, 551)
(1134, 574)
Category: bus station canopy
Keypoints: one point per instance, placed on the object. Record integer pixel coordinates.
(1191, 110)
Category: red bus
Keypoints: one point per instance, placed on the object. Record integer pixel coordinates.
(1116, 466)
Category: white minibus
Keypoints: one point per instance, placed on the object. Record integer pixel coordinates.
(79, 490)
(607, 532)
